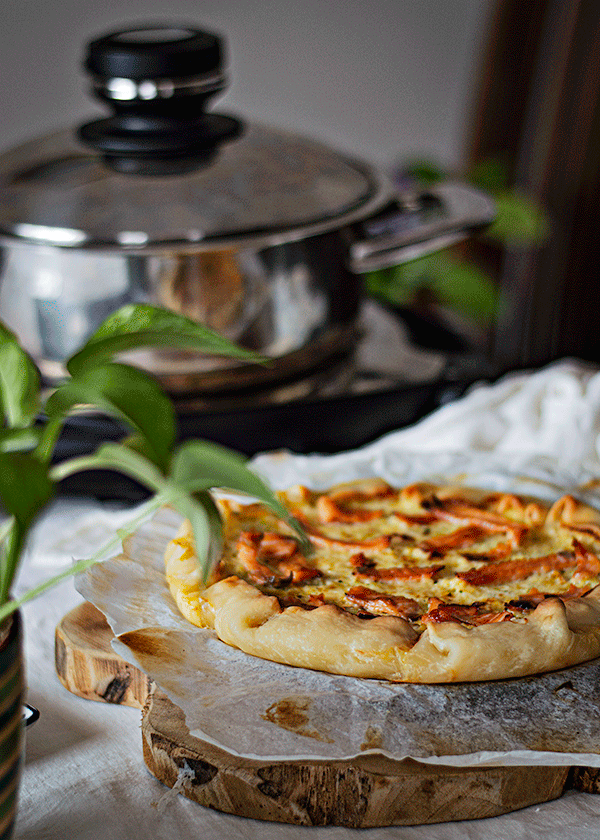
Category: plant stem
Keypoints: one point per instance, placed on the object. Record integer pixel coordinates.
(50, 435)
(5, 530)
(136, 466)
(13, 544)
(81, 565)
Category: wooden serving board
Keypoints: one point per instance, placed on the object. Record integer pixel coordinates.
(87, 665)
(367, 791)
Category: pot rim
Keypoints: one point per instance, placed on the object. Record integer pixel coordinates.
(382, 192)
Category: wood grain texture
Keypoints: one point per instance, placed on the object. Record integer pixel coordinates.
(87, 665)
(585, 779)
(368, 791)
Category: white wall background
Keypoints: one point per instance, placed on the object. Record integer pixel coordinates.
(382, 79)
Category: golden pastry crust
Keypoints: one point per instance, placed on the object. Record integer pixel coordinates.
(419, 584)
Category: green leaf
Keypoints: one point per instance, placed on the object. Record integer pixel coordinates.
(25, 486)
(207, 526)
(457, 283)
(127, 393)
(490, 174)
(425, 171)
(141, 325)
(197, 467)
(198, 507)
(81, 565)
(397, 285)
(381, 284)
(519, 220)
(464, 287)
(116, 457)
(19, 440)
(200, 465)
(139, 444)
(19, 381)
(25, 489)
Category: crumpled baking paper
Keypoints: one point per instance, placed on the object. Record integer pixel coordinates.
(534, 433)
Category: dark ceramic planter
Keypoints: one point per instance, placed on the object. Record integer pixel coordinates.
(11, 722)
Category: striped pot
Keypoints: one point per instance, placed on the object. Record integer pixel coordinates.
(11, 721)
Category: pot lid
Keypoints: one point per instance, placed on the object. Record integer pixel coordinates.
(164, 172)
(266, 182)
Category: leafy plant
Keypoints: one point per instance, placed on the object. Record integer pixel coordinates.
(180, 475)
(451, 277)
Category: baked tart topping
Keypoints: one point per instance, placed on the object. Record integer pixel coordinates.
(422, 561)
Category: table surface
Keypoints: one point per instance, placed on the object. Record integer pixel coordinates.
(84, 775)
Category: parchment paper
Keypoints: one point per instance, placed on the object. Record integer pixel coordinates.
(533, 433)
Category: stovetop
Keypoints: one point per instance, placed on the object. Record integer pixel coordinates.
(386, 382)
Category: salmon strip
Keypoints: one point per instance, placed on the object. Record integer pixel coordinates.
(361, 561)
(410, 519)
(283, 563)
(299, 571)
(398, 573)
(334, 506)
(276, 546)
(248, 549)
(367, 568)
(374, 602)
(531, 599)
(461, 538)
(457, 511)
(376, 544)
(330, 511)
(464, 614)
(518, 569)
(587, 562)
(322, 541)
(373, 489)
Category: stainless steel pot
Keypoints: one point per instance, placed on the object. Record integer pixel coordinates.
(256, 232)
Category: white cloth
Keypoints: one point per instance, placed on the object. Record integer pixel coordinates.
(542, 424)
(84, 776)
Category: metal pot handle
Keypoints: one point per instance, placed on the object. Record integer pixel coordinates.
(416, 224)
(30, 714)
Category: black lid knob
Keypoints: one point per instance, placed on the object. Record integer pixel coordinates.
(155, 51)
(157, 79)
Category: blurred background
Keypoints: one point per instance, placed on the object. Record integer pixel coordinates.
(381, 78)
(500, 93)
